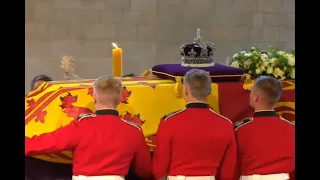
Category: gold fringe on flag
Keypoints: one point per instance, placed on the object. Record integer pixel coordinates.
(248, 82)
(179, 80)
(178, 86)
(146, 72)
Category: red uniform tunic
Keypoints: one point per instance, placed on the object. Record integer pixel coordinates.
(266, 144)
(195, 141)
(102, 144)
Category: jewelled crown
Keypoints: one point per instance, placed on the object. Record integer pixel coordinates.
(198, 53)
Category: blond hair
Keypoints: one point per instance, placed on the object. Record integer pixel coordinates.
(108, 89)
(199, 82)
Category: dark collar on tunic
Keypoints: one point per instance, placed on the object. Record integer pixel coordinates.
(197, 105)
(264, 113)
(107, 112)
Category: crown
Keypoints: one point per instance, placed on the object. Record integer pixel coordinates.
(198, 53)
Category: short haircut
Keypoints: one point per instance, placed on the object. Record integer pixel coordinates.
(199, 82)
(109, 89)
(270, 87)
(41, 77)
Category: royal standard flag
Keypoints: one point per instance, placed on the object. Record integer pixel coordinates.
(145, 100)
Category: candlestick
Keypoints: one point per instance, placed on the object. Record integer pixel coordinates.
(117, 60)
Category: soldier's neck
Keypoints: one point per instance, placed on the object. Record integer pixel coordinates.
(194, 100)
(263, 108)
(105, 106)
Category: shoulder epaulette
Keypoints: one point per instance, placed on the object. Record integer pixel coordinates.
(290, 122)
(86, 115)
(167, 116)
(225, 118)
(131, 123)
(239, 124)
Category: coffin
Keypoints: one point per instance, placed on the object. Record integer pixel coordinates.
(145, 100)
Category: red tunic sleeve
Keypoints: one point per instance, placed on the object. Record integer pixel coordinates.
(162, 153)
(227, 170)
(141, 164)
(65, 138)
(238, 167)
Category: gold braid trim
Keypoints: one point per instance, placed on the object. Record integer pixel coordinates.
(179, 79)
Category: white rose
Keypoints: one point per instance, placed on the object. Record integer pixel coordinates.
(243, 52)
(235, 64)
(291, 60)
(265, 63)
(247, 64)
(282, 77)
(247, 54)
(258, 71)
(235, 55)
(292, 74)
(264, 57)
(273, 61)
(277, 72)
(281, 52)
(269, 70)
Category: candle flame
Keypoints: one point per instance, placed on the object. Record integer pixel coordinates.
(114, 45)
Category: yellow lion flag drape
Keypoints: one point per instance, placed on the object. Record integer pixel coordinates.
(145, 100)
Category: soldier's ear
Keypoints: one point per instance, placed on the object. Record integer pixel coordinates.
(186, 90)
(94, 98)
(209, 93)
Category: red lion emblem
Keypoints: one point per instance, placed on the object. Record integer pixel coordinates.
(31, 103)
(133, 118)
(125, 94)
(69, 109)
(39, 114)
(90, 92)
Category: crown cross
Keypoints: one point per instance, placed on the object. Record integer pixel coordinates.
(198, 38)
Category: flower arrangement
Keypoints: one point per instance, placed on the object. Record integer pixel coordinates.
(276, 63)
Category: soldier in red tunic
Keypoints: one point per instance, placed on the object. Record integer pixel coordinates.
(195, 142)
(265, 141)
(104, 146)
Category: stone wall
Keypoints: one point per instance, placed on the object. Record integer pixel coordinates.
(149, 31)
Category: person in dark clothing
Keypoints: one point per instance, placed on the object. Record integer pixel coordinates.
(36, 169)
(129, 75)
(36, 81)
